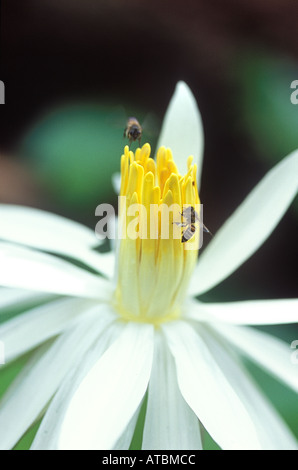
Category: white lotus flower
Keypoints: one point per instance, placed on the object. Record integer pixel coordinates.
(101, 346)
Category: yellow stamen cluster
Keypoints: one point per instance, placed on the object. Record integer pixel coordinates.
(154, 270)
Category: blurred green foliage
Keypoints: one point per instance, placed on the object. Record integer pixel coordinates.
(269, 116)
(75, 150)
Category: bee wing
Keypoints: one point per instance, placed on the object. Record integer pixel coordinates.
(151, 125)
(205, 229)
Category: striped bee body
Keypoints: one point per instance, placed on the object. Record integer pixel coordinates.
(191, 218)
(188, 233)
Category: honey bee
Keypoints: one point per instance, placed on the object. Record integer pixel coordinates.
(191, 219)
(133, 130)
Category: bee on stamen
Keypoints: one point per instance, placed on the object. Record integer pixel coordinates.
(191, 218)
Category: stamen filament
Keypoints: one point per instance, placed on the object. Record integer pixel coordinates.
(156, 264)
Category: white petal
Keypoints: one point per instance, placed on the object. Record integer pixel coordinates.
(272, 431)
(182, 129)
(52, 233)
(269, 352)
(28, 269)
(35, 386)
(26, 331)
(49, 430)
(124, 441)
(250, 225)
(43, 230)
(208, 392)
(101, 262)
(249, 312)
(170, 424)
(116, 182)
(18, 297)
(111, 392)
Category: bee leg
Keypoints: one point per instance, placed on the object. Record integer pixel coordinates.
(205, 229)
(180, 223)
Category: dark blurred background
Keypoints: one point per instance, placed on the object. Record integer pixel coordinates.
(74, 70)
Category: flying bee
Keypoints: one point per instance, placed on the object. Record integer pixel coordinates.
(133, 130)
(191, 219)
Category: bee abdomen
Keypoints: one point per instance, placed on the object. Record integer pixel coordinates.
(188, 233)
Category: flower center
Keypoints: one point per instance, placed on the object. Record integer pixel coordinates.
(159, 217)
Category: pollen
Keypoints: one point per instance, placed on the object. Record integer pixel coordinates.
(156, 257)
